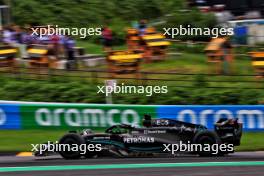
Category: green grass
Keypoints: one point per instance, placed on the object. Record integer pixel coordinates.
(90, 48)
(14, 140)
(252, 142)
(95, 48)
(21, 140)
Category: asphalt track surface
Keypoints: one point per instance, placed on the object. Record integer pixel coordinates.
(238, 164)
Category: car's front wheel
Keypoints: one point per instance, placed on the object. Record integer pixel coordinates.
(69, 146)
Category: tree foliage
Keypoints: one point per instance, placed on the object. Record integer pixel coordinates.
(115, 13)
(83, 12)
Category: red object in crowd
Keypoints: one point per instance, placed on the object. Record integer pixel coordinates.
(107, 33)
(54, 39)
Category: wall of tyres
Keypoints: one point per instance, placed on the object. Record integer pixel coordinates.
(20, 115)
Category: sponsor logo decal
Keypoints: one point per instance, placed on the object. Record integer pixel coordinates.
(140, 139)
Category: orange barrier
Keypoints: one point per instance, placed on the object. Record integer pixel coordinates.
(152, 44)
(38, 56)
(219, 53)
(7, 57)
(258, 62)
(123, 62)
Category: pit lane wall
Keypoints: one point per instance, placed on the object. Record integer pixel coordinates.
(23, 115)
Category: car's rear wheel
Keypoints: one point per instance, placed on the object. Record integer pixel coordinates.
(70, 141)
(207, 139)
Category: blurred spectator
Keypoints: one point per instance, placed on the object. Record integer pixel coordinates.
(13, 36)
(57, 45)
(54, 40)
(19, 34)
(69, 45)
(7, 35)
(27, 38)
(142, 27)
(107, 36)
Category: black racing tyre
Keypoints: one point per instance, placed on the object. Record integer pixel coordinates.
(71, 139)
(204, 138)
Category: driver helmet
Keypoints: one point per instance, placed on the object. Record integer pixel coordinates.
(87, 131)
(147, 120)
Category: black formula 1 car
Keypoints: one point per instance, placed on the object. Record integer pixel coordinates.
(155, 137)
